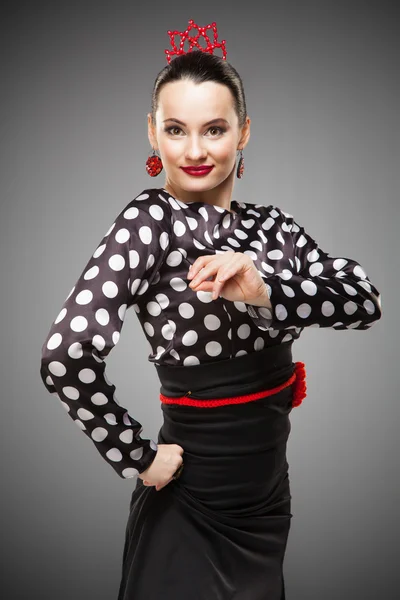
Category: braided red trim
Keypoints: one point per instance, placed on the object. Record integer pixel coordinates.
(297, 379)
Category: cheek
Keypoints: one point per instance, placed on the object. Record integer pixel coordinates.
(169, 150)
(226, 151)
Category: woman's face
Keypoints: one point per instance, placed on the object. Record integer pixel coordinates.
(185, 137)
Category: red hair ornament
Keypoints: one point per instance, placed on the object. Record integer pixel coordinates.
(193, 40)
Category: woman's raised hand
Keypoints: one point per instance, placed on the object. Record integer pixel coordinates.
(231, 275)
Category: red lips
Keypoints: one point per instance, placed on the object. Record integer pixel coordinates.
(202, 170)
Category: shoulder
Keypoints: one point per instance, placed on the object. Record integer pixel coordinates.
(149, 207)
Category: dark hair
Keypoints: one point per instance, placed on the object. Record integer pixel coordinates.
(199, 66)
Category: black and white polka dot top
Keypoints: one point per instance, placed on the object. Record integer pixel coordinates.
(142, 262)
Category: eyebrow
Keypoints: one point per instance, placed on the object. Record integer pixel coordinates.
(218, 120)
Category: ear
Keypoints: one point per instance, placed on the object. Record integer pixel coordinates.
(245, 134)
(151, 132)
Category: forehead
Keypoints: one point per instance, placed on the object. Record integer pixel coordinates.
(186, 99)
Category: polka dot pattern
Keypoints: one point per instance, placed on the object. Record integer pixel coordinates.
(321, 291)
(142, 263)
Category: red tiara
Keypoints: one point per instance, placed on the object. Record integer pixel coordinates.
(193, 40)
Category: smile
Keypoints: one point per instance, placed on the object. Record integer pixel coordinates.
(197, 171)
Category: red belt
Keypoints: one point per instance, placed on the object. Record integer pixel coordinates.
(298, 380)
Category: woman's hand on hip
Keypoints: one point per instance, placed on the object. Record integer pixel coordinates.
(231, 275)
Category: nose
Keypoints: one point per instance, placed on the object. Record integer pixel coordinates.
(195, 149)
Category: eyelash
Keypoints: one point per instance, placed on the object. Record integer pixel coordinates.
(169, 129)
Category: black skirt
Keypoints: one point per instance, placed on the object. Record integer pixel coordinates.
(219, 531)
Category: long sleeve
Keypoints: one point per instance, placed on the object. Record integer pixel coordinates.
(317, 290)
(88, 326)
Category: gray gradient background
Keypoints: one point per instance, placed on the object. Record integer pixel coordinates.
(322, 89)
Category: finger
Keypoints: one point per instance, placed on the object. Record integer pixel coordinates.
(207, 271)
(227, 271)
(199, 263)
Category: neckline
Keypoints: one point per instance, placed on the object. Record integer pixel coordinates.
(217, 208)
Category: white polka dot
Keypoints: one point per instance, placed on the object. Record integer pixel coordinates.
(309, 287)
(61, 315)
(168, 330)
(313, 255)
(114, 454)
(91, 273)
(137, 453)
(174, 258)
(87, 375)
(156, 212)
(99, 399)
(99, 251)
(339, 263)
(121, 311)
(302, 241)
(135, 285)
(327, 308)
(71, 392)
(268, 223)
(109, 289)
(204, 296)
(99, 434)
(130, 472)
(54, 341)
(349, 289)
(131, 213)
(162, 300)
(191, 360)
(84, 414)
(78, 323)
(212, 322)
(149, 329)
(179, 228)
(116, 262)
(134, 259)
(153, 308)
(359, 272)
(280, 312)
(109, 230)
(350, 307)
(259, 344)
(240, 306)
(126, 436)
(304, 310)
(265, 312)
(288, 291)
(164, 240)
(178, 284)
(186, 310)
(110, 418)
(213, 348)
(315, 269)
(243, 331)
(57, 368)
(98, 342)
(102, 316)
(145, 234)
(122, 235)
(369, 307)
(189, 338)
(84, 297)
(275, 254)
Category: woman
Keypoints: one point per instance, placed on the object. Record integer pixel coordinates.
(222, 289)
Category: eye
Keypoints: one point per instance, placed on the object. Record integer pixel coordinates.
(170, 130)
(219, 129)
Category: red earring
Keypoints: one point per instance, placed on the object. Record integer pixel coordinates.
(240, 167)
(154, 165)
